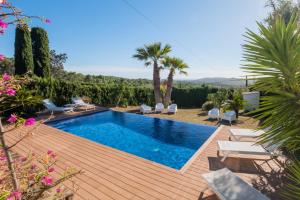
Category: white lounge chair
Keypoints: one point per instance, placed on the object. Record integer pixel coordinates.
(232, 147)
(229, 116)
(228, 186)
(237, 134)
(172, 108)
(145, 109)
(159, 107)
(53, 108)
(214, 113)
(78, 102)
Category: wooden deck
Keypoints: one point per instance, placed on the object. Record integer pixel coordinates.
(113, 174)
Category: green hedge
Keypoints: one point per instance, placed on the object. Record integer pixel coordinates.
(191, 97)
(110, 95)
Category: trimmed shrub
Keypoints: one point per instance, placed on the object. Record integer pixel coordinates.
(208, 105)
(61, 93)
(23, 51)
(191, 97)
(41, 52)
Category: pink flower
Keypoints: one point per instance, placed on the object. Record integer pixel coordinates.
(13, 118)
(48, 21)
(6, 77)
(29, 122)
(3, 24)
(49, 152)
(14, 195)
(47, 180)
(58, 190)
(10, 92)
(51, 169)
(2, 57)
(2, 1)
(3, 158)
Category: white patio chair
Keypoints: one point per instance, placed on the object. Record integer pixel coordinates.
(238, 134)
(78, 102)
(228, 186)
(159, 107)
(214, 113)
(145, 109)
(229, 116)
(172, 108)
(251, 148)
(53, 108)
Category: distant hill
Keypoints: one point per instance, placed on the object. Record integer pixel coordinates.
(220, 82)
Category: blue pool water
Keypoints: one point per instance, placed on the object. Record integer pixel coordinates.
(167, 142)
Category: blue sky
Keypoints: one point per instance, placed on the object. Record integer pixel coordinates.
(100, 36)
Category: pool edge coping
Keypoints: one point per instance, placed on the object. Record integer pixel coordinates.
(181, 170)
(200, 150)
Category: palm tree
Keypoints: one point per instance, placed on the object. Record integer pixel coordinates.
(152, 54)
(273, 56)
(172, 64)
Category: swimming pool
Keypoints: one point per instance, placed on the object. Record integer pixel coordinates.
(168, 142)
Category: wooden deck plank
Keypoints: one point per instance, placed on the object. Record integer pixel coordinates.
(113, 174)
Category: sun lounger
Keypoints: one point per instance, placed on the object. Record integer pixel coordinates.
(159, 107)
(237, 134)
(232, 147)
(214, 113)
(145, 109)
(172, 108)
(78, 102)
(228, 186)
(53, 108)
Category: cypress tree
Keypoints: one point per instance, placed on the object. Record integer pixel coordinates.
(23, 50)
(41, 52)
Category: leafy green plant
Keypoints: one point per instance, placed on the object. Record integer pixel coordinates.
(208, 105)
(273, 57)
(219, 97)
(236, 103)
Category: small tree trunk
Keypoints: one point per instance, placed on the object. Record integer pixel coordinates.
(156, 82)
(169, 87)
(10, 165)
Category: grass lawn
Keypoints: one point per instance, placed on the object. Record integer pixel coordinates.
(195, 115)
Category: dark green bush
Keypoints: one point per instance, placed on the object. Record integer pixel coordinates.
(23, 51)
(191, 97)
(208, 105)
(121, 94)
(41, 52)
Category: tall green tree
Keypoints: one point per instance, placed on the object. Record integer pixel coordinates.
(23, 50)
(283, 9)
(173, 64)
(273, 56)
(152, 54)
(41, 52)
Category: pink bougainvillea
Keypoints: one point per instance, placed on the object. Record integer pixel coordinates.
(2, 57)
(6, 77)
(29, 122)
(15, 195)
(13, 118)
(3, 24)
(47, 180)
(48, 21)
(51, 169)
(10, 92)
